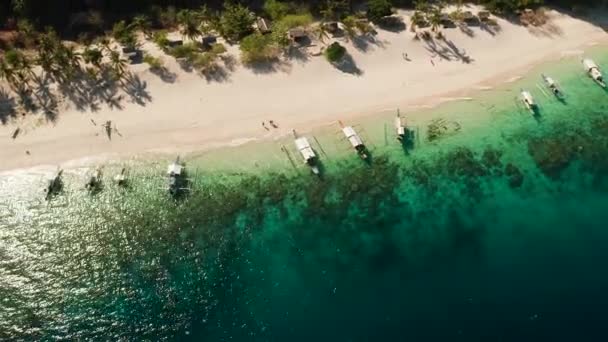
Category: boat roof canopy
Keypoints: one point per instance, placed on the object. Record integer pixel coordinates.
(352, 136)
(589, 64)
(174, 168)
(304, 147)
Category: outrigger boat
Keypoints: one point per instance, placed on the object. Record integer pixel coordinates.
(528, 101)
(54, 184)
(94, 182)
(175, 174)
(121, 179)
(594, 72)
(400, 127)
(355, 140)
(552, 85)
(310, 158)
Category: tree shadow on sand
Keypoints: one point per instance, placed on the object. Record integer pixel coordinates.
(7, 107)
(367, 42)
(447, 50)
(136, 89)
(164, 74)
(269, 66)
(348, 65)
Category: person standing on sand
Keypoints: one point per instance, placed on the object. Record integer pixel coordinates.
(264, 125)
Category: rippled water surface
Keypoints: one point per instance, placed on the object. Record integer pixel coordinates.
(496, 232)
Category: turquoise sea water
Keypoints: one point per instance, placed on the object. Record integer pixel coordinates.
(496, 232)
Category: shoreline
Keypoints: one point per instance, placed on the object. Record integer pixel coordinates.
(199, 137)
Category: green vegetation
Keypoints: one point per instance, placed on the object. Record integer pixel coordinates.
(335, 52)
(377, 9)
(155, 63)
(236, 22)
(257, 48)
(276, 9)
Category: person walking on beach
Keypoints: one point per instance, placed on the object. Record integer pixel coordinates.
(108, 127)
(264, 125)
(274, 125)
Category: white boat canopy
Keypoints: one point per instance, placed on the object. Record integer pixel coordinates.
(399, 126)
(174, 168)
(527, 97)
(305, 149)
(590, 65)
(550, 81)
(352, 136)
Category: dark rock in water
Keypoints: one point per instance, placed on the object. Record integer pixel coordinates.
(516, 177)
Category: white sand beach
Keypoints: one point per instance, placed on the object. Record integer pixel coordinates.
(193, 114)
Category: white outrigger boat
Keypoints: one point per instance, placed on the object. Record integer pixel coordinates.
(54, 184)
(175, 174)
(121, 178)
(94, 182)
(310, 158)
(355, 141)
(400, 127)
(552, 85)
(594, 72)
(528, 101)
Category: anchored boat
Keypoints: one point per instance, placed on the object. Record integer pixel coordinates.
(355, 141)
(54, 184)
(528, 101)
(175, 175)
(594, 72)
(400, 127)
(121, 178)
(310, 158)
(552, 85)
(94, 182)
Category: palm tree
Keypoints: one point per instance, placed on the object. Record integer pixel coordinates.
(143, 24)
(350, 26)
(73, 57)
(92, 56)
(416, 19)
(118, 64)
(190, 24)
(435, 20)
(322, 32)
(8, 74)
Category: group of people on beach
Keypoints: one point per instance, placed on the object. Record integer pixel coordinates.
(271, 122)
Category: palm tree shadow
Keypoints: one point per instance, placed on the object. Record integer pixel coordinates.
(164, 74)
(7, 107)
(136, 89)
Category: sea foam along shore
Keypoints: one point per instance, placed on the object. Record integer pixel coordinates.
(192, 114)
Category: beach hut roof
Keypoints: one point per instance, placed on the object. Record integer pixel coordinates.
(483, 14)
(174, 168)
(262, 25)
(305, 149)
(352, 136)
(296, 32)
(468, 15)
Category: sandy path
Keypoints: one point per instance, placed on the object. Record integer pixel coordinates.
(193, 114)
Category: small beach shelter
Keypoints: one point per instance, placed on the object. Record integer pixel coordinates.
(297, 35)
(262, 25)
(483, 15)
(331, 26)
(469, 18)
